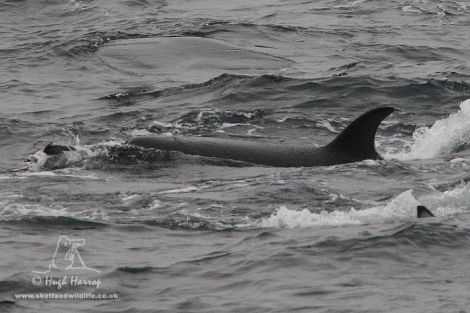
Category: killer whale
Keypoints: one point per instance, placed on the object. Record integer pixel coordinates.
(355, 143)
(53, 149)
(423, 212)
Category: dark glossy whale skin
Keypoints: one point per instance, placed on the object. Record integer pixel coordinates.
(355, 143)
(422, 212)
(53, 149)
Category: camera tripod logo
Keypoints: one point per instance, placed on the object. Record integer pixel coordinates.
(67, 256)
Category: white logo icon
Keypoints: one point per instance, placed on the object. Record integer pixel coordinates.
(67, 257)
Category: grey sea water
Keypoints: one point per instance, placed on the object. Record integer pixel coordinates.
(174, 233)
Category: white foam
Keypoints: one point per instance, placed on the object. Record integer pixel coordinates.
(164, 125)
(229, 125)
(156, 204)
(180, 190)
(350, 4)
(402, 207)
(77, 5)
(10, 195)
(131, 199)
(327, 124)
(57, 173)
(282, 120)
(139, 132)
(450, 201)
(138, 212)
(109, 143)
(410, 8)
(285, 217)
(81, 153)
(9, 177)
(36, 161)
(12, 210)
(203, 113)
(459, 162)
(440, 139)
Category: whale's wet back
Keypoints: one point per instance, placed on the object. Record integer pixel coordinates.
(355, 143)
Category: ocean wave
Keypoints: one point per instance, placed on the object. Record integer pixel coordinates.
(437, 8)
(450, 201)
(239, 92)
(211, 120)
(189, 222)
(92, 41)
(402, 207)
(15, 211)
(56, 221)
(334, 86)
(444, 137)
(415, 235)
(137, 270)
(221, 81)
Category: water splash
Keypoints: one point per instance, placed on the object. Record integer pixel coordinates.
(402, 207)
(450, 201)
(444, 137)
(95, 156)
(12, 210)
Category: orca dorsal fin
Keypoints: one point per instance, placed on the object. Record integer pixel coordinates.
(358, 138)
(422, 211)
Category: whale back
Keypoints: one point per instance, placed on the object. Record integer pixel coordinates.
(354, 144)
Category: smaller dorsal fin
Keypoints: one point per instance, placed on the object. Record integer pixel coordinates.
(358, 138)
(422, 211)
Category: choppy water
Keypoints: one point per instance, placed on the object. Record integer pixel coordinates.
(188, 234)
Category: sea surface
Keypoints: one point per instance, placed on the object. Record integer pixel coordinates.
(175, 233)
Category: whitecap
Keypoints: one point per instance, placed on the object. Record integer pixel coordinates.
(401, 207)
(442, 138)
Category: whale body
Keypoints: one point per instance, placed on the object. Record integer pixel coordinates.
(355, 143)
